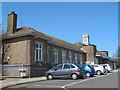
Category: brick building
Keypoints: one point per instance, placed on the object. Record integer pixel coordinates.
(27, 50)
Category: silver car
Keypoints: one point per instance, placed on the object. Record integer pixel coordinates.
(65, 70)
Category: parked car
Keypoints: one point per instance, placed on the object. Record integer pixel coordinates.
(99, 69)
(65, 70)
(107, 67)
(89, 70)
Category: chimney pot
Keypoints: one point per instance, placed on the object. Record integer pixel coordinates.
(12, 12)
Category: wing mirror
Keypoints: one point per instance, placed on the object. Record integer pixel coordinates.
(55, 69)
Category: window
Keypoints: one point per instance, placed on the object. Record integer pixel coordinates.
(55, 55)
(94, 65)
(70, 56)
(39, 49)
(81, 58)
(58, 67)
(76, 59)
(48, 54)
(66, 66)
(63, 56)
(72, 66)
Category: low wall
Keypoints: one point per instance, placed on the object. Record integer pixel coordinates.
(37, 71)
(14, 70)
(20, 70)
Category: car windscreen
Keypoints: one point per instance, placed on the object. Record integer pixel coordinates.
(91, 66)
(58, 67)
(79, 65)
(105, 65)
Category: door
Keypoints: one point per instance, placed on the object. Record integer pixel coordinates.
(66, 72)
(57, 71)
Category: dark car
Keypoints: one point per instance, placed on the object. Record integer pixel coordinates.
(68, 70)
(89, 69)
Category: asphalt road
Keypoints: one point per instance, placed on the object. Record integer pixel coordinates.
(102, 81)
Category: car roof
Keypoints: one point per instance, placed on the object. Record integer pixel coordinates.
(66, 63)
(104, 64)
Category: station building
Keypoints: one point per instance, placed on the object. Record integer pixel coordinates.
(27, 50)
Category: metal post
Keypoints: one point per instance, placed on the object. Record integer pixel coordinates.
(22, 70)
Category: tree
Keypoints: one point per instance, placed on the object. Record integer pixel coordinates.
(116, 56)
(2, 30)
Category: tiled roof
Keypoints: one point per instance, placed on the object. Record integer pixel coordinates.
(23, 31)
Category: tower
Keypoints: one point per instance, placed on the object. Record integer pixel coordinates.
(86, 39)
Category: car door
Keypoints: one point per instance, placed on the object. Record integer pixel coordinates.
(57, 71)
(66, 71)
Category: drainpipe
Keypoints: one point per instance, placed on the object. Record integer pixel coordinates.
(25, 62)
(23, 72)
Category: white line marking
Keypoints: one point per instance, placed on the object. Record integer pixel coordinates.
(64, 87)
(84, 80)
(49, 82)
(49, 86)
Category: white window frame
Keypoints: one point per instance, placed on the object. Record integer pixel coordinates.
(76, 58)
(81, 58)
(55, 56)
(63, 56)
(40, 49)
(70, 56)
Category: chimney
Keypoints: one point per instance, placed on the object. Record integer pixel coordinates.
(11, 23)
(86, 39)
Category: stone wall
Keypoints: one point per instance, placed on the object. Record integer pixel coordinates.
(16, 51)
(91, 53)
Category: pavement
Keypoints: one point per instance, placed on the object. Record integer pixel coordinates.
(8, 82)
(17, 81)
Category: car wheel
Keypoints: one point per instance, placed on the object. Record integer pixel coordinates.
(105, 72)
(49, 77)
(74, 76)
(98, 72)
(87, 74)
(92, 75)
(108, 71)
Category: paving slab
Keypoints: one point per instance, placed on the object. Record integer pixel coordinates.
(17, 81)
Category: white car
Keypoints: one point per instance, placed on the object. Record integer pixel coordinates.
(99, 69)
(107, 67)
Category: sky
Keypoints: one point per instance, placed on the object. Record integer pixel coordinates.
(70, 20)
